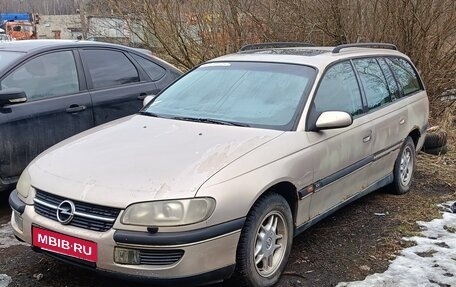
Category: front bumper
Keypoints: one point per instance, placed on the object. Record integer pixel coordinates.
(209, 253)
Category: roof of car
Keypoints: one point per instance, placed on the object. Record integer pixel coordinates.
(318, 57)
(32, 45)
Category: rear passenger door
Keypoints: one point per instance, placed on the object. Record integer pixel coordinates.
(116, 84)
(341, 156)
(388, 117)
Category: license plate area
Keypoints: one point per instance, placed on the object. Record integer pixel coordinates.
(64, 244)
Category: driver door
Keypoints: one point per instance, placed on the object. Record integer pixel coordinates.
(57, 107)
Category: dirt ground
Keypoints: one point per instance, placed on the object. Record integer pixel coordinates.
(356, 241)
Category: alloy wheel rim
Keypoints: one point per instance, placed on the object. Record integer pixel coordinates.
(406, 167)
(270, 244)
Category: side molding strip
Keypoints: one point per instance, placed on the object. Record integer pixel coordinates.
(382, 182)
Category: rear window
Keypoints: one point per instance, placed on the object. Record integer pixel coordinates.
(405, 75)
(8, 57)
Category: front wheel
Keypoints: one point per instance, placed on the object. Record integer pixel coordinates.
(265, 242)
(404, 167)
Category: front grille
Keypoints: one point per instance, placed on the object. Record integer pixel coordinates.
(89, 216)
(160, 257)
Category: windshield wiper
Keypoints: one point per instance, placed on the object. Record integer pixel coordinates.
(210, 121)
(144, 113)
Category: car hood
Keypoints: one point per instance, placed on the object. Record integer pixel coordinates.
(141, 158)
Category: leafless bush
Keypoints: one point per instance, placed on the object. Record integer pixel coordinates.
(188, 32)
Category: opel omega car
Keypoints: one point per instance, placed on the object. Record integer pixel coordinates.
(218, 173)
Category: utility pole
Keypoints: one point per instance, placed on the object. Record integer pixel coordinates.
(82, 15)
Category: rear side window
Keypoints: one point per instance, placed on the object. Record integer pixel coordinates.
(405, 75)
(374, 82)
(109, 68)
(339, 91)
(392, 84)
(154, 71)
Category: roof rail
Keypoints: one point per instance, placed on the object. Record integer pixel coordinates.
(274, 45)
(365, 45)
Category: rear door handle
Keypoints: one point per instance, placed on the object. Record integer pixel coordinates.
(75, 109)
(402, 121)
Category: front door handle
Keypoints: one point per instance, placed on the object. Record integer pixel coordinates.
(75, 109)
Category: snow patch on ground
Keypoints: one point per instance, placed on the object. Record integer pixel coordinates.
(5, 280)
(432, 262)
(7, 238)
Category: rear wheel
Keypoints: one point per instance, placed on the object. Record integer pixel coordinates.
(265, 242)
(404, 167)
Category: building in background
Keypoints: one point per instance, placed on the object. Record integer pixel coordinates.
(59, 27)
(99, 28)
(113, 30)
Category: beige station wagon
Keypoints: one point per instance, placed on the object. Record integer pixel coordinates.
(218, 173)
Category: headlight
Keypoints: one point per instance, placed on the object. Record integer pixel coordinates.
(24, 184)
(169, 212)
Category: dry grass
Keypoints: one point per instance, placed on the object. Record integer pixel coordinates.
(443, 167)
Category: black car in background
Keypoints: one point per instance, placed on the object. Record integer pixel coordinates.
(53, 89)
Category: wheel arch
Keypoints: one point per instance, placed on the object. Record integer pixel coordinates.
(288, 191)
(415, 134)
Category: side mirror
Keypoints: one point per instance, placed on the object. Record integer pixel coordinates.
(333, 120)
(147, 99)
(12, 96)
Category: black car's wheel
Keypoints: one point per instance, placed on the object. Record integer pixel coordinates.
(265, 242)
(404, 167)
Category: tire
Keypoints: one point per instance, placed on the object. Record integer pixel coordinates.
(404, 168)
(437, 151)
(435, 139)
(269, 210)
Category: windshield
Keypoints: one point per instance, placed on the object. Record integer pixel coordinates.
(8, 57)
(252, 94)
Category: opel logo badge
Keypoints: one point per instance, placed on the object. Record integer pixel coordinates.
(65, 212)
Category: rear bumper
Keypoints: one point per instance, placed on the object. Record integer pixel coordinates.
(209, 253)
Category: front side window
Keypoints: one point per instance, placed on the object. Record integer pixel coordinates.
(405, 75)
(374, 82)
(109, 68)
(339, 91)
(45, 76)
(8, 57)
(249, 93)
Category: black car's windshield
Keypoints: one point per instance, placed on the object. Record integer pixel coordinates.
(238, 93)
(7, 57)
